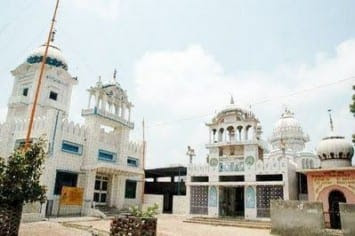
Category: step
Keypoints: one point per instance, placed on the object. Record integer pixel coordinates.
(222, 222)
(268, 223)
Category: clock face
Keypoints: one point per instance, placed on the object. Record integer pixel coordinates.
(249, 160)
(213, 162)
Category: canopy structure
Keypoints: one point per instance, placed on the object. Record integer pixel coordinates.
(166, 172)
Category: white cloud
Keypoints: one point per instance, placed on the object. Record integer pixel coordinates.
(107, 9)
(191, 82)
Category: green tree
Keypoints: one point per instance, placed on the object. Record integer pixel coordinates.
(20, 184)
(352, 109)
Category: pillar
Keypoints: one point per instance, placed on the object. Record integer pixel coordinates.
(213, 201)
(89, 190)
(89, 102)
(114, 189)
(250, 202)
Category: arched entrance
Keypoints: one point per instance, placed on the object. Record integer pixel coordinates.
(334, 198)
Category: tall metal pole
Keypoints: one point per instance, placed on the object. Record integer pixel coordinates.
(143, 161)
(38, 89)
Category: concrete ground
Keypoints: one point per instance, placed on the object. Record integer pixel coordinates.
(168, 225)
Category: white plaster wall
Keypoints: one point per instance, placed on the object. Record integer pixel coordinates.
(151, 199)
(180, 205)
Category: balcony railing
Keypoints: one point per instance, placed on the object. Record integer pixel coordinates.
(108, 115)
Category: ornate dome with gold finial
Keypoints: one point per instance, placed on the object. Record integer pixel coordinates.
(334, 150)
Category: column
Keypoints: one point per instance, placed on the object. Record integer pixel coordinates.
(89, 102)
(250, 202)
(113, 192)
(89, 190)
(121, 187)
(123, 110)
(213, 201)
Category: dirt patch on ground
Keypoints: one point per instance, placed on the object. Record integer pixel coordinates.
(168, 225)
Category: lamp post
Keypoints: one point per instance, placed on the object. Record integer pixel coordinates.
(191, 153)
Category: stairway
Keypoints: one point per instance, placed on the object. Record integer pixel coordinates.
(110, 211)
(230, 222)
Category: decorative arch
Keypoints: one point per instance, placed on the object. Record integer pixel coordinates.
(220, 134)
(239, 128)
(231, 133)
(334, 198)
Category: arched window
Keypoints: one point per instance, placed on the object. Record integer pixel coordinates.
(240, 128)
(220, 134)
(214, 135)
(248, 132)
(231, 133)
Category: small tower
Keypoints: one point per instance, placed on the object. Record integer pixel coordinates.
(108, 105)
(56, 85)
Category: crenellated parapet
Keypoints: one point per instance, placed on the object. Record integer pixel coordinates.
(135, 149)
(40, 125)
(69, 128)
(109, 138)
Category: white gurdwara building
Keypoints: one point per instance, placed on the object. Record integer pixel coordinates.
(97, 156)
(242, 176)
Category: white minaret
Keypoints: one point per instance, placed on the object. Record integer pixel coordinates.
(56, 85)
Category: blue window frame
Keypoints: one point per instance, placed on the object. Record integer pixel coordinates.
(106, 156)
(132, 161)
(72, 148)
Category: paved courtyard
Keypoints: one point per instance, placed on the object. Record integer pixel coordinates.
(168, 225)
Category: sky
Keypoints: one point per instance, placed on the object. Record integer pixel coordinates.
(181, 60)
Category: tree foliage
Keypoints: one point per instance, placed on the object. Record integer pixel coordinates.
(149, 213)
(352, 109)
(19, 176)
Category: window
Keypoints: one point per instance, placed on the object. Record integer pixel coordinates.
(107, 156)
(53, 95)
(25, 92)
(199, 178)
(231, 178)
(132, 162)
(268, 177)
(64, 179)
(73, 148)
(20, 143)
(131, 186)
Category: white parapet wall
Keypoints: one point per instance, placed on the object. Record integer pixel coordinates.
(150, 199)
(180, 205)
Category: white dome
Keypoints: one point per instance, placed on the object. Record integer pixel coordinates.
(288, 133)
(335, 147)
(54, 56)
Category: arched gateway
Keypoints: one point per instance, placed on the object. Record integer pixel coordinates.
(334, 198)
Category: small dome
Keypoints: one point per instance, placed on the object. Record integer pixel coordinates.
(288, 133)
(335, 147)
(54, 57)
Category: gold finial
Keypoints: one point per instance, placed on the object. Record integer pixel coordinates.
(331, 120)
(114, 75)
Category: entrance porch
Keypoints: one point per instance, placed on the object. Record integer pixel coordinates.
(112, 187)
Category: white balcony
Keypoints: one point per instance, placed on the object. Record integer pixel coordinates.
(107, 115)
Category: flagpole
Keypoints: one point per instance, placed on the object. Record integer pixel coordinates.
(143, 161)
(38, 89)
